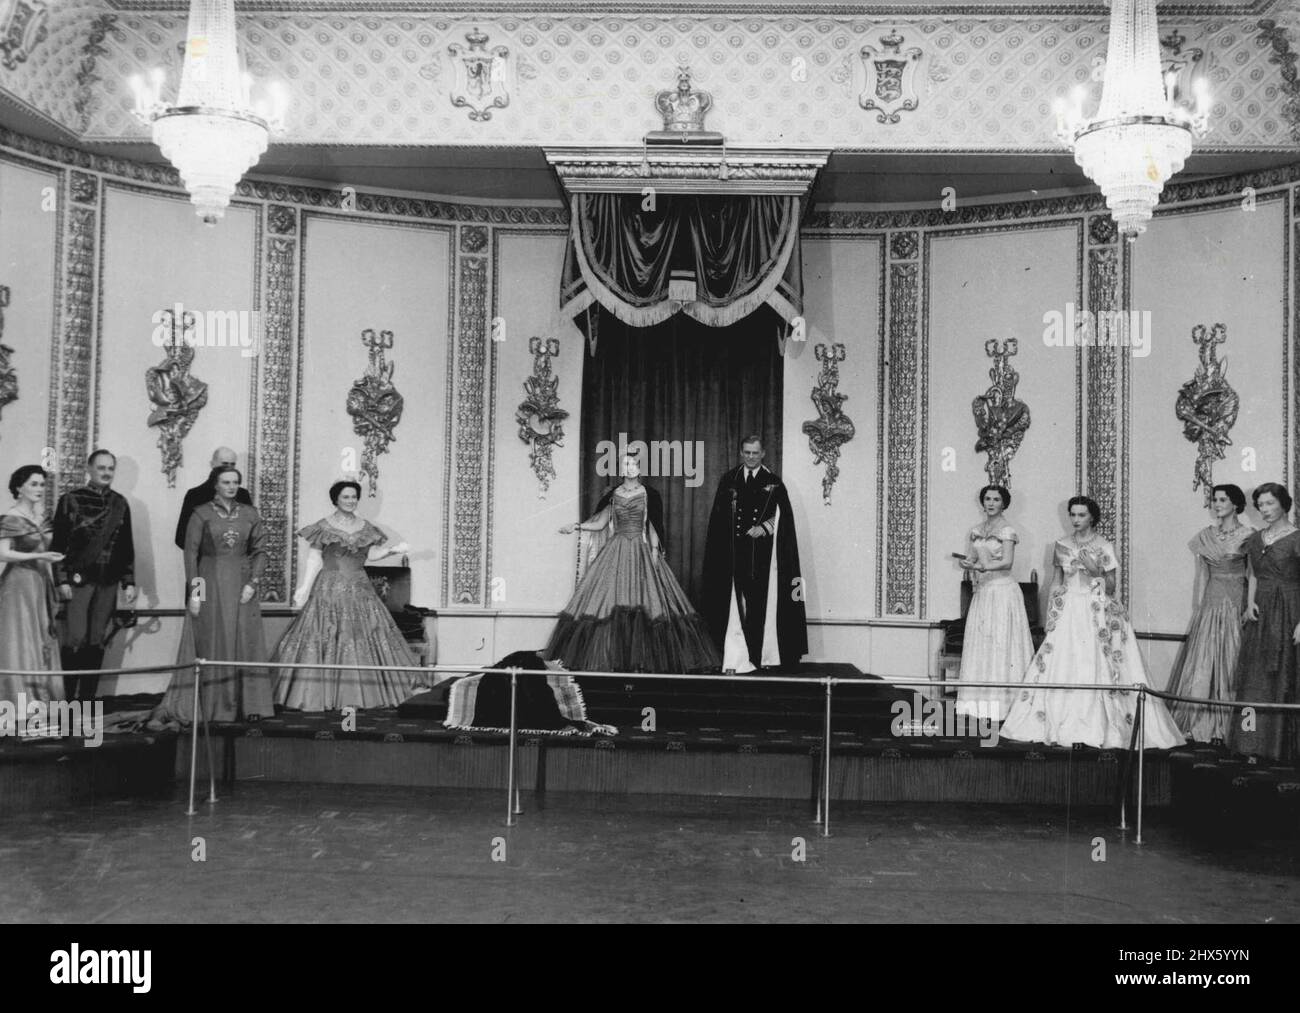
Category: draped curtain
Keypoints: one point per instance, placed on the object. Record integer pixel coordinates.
(714, 258)
(680, 380)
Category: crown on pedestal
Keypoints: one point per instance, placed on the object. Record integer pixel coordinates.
(683, 110)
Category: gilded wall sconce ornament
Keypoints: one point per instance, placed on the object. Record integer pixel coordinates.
(683, 109)
(832, 428)
(480, 76)
(375, 405)
(1001, 418)
(891, 78)
(8, 375)
(1207, 407)
(22, 30)
(177, 396)
(540, 417)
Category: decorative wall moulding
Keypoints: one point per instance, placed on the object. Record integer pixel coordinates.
(539, 415)
(375, 405)
(692, 169)
(1001, 418)
(8, 375)
(891, 78)
(1207, 406)
(22, 29)
(480, 84)
(832, 428)
(177, 396)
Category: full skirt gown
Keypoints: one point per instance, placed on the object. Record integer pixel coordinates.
(1268, 664)
(996, 645)
(628, 613)
(1089, 640)
(28, 641)
(343, 623)
(1207, 662)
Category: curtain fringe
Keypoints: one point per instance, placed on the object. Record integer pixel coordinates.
(712, 316)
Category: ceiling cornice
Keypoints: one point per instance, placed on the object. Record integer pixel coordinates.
(1013, 8)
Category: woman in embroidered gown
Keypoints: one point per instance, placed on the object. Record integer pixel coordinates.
(1206, 663)
(225, 556)
(1267, 665)
(996, 646)
(1089, 640)
(342, 619)
(628, 613)
(27, 596)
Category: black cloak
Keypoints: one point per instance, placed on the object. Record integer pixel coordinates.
(725, 554)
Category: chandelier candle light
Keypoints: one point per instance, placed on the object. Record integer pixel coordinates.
(1142, 133)
(215, 132)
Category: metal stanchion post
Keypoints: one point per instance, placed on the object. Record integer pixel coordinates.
(207, 743)
(817, 781)
(511, 801)
(194, 737)
(826, 762)
(1142, 747)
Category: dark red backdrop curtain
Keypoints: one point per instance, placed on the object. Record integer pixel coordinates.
(680, 380)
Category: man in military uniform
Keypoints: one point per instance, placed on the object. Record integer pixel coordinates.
(753, 591)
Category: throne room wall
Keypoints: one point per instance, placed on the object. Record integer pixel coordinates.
(911, 295)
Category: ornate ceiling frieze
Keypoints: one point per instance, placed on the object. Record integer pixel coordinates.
(780, 75)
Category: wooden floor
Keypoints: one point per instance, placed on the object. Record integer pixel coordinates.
(310, 853)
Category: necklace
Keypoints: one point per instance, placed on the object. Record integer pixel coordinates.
(1222, 533)
(353, 523)
(1092, 537)
(1277, 534)
(224, 512)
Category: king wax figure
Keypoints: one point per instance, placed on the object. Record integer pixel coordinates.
(753, 592)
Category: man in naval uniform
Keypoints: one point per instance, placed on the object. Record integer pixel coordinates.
(753, 591)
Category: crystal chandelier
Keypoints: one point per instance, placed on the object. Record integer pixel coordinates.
(215, 132)
(1143, 131)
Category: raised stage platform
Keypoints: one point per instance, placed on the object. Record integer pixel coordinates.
(747, 740)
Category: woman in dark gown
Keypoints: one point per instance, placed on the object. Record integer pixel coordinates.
(1266, 666)
(225, 556)
(28, 641)
(628, 613)
(342, 619)
(1208, 659)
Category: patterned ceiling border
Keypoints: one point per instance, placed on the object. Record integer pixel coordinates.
(557, 215)
(884, 10)
(778, 76)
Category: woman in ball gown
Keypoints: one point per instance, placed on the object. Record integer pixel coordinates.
(1208, 659)
(28, 641)
(1089, 640)
(628, 613)
(225, 556)
(1266, 666)
(342, 619)
(996, 646)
